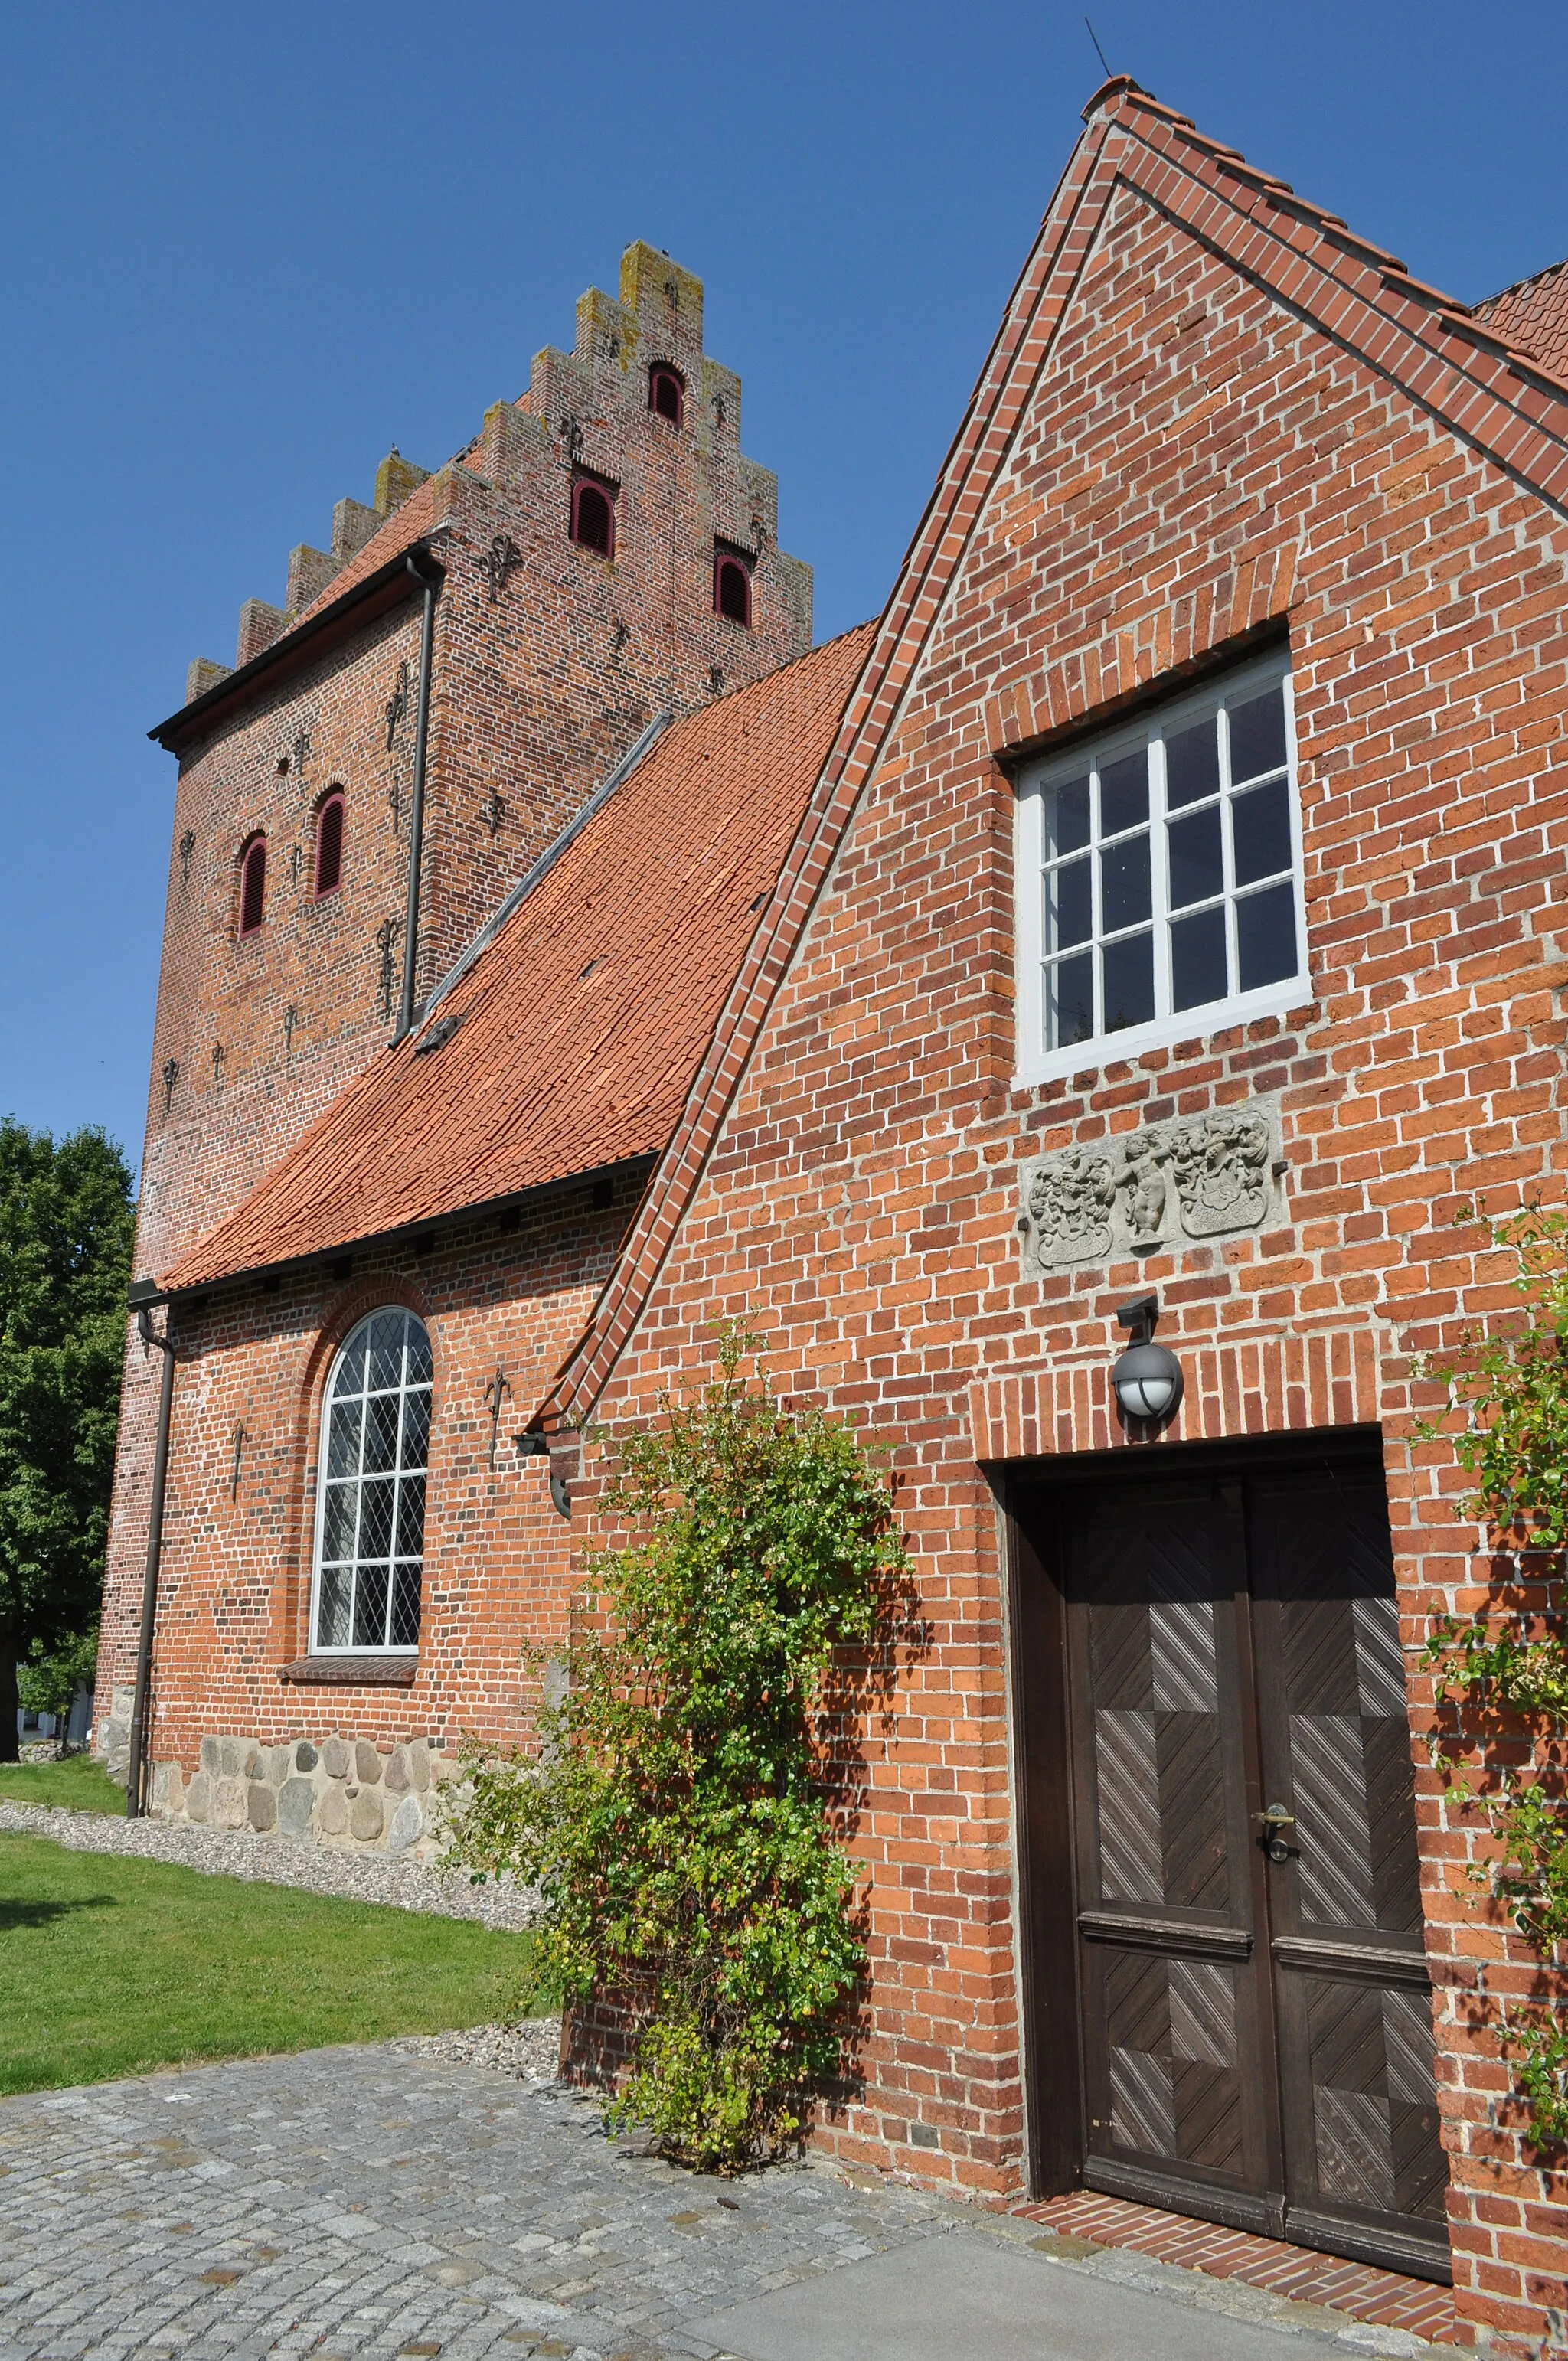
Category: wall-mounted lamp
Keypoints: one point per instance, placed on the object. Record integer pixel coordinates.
(1146, 1379)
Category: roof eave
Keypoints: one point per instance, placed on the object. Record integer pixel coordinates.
(419, 1226)
(375, 595)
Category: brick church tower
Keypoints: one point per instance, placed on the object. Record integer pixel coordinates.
(600, 554)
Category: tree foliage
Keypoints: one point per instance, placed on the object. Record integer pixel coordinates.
(684, 1819)
(66, 1228)
(1501, 1677)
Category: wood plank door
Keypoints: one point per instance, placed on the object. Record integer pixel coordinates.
(1254, 2017)
(1365, 2168)
(1176, 2045)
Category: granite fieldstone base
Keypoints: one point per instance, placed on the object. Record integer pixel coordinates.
(342, 1793)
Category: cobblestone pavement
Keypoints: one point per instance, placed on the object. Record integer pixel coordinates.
(383, 2201)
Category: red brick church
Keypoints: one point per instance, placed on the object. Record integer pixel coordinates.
(1158, 904)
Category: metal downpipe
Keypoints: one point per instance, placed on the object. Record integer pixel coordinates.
(135, 1782)
(416, 813)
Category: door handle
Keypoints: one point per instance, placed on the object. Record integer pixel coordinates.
(1273, 1824)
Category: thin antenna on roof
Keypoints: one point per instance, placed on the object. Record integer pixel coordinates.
(1098, 50)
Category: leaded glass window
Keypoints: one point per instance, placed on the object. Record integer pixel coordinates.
(370, 1499)
(1160, 877)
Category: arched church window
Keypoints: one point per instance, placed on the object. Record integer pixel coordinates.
(329, 844)
(593, 515)
(375, 1447)
(252, 884)
(666, 394)
(731, 587)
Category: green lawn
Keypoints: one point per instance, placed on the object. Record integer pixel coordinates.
(112, 1966)
(78, 1782)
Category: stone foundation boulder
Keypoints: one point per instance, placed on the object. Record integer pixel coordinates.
(336, 1791)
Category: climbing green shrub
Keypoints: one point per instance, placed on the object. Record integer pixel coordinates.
(684, 1819)
(1501, 1678)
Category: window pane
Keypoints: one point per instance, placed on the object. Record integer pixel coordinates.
(375, 1518)
(1069, 913)
(410, 1516)
(332, 1616)
(416, 1429)
(1124, 793)
(373, 1495)
(1066, 818)
(343, 1439)
(1260, 832)
(1127, 980)
(370, 1608)
(338, 1522)
(1125, 884)
(1198, 958)
(1266, 936)
(1070, 1000)
(1191, 765)
(405, 1605)
(381, 1431)
(1257, 736)
(1197, 861)
(386, 1340)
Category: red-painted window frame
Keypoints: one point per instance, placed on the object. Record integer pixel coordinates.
(253, 884)
(330, 819)
(581, 484)
(726, 558)
(660, 374)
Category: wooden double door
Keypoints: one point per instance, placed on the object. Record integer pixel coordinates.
(1221, 1834)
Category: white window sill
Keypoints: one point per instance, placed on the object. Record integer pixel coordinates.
(1163, 1033)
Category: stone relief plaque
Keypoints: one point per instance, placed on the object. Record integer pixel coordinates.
(1204, 1176)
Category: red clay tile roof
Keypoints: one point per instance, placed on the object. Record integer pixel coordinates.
(584, 1021)
(1533, 315)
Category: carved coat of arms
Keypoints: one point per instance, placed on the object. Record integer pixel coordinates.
(1194, 1178)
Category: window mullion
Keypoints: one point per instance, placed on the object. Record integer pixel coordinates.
(1096, 910)
(358, 1498)
(1159, 878)
(1227, 855)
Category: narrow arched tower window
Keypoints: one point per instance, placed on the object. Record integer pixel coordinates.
(253, 886)
(666, 394)
(374, 1449)
(731, 587)
(329, 844)
(593, 515)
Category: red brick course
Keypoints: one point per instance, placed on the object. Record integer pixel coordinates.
(1209, 410)
(234, 1603)
(1385, 2297)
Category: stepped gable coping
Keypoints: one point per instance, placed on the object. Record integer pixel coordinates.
(1495, 397)
(568, 1045)
(349, 604)
(407, 521)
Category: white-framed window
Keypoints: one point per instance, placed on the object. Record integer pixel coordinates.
(375, 1442)
(1160, 877)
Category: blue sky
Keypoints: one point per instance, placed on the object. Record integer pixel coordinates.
(248, 249)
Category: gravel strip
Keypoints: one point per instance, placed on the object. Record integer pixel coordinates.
(529, 2051)
(272, 1860)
